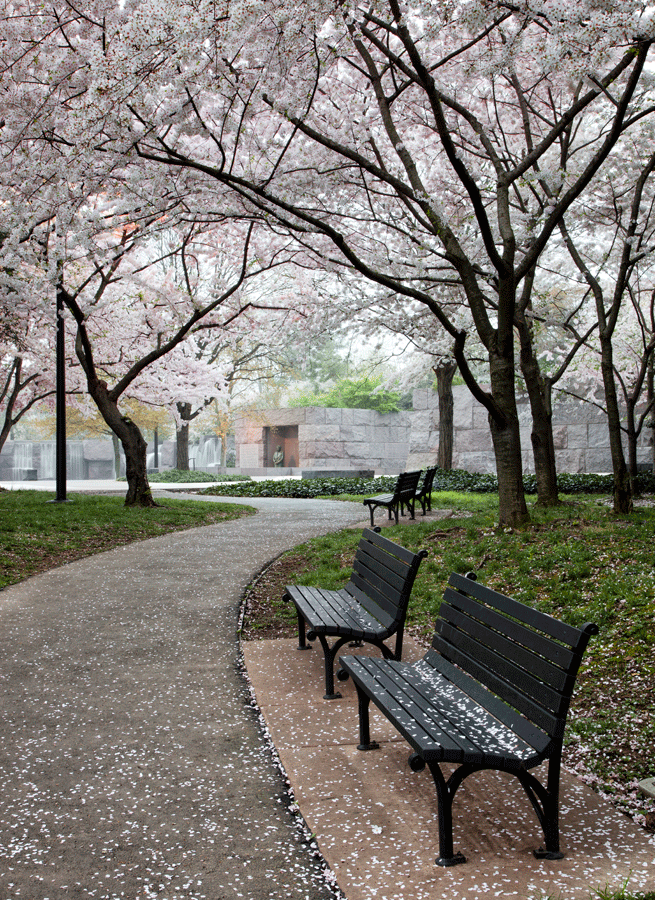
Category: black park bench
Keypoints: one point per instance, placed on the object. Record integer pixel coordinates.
(371, 608)
(404, 495)
(492, 693)
(424, 490)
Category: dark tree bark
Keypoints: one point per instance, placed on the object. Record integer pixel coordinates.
(182, 438)
(540, 397)
(134, 444)
(445, 373)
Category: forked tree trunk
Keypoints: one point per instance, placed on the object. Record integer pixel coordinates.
(445, 373)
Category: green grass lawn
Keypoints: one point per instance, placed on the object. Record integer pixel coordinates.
(578, 562)
(36, 534)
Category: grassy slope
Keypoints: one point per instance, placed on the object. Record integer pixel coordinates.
(36, 534)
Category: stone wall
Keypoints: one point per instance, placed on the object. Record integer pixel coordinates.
(580, 433)
(329, 438)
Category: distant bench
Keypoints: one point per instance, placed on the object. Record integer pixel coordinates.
(371, 608)
(404, 495)
(492, 693)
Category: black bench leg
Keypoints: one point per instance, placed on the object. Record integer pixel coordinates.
(365, 742)
(371, 510)
(329, 655)
(302, 645)
(546, 805)
(445, 813)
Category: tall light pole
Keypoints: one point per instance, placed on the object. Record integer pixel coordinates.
(60, 401)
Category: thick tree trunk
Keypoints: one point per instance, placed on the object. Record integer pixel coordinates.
(506, 437)
(133, 443)
(622, 488)
(541, 407)
(445, 373)
(182, 437)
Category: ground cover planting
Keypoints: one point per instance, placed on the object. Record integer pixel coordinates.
(578, 562)
(36, 535)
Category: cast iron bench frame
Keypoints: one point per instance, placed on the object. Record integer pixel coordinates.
(493, 692)
(424, 491)
(404, 495)
(371, 608)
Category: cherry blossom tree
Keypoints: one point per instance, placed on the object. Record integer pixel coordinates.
(411, 144)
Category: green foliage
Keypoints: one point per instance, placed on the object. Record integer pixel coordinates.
(189, 476)
(36, 534)
(354, 393)
(456, 480)
(306, 487)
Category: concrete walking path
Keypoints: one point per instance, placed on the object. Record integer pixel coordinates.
(132, 764)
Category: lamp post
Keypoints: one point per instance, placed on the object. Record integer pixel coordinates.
(60, 402)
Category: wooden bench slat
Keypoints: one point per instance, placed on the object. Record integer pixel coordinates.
(557, 629)
(501, 665)
(534, 711)
(506, 648)
(375, 540)
(528, 731)
(455, 725)
(558, 654)
(373, 600)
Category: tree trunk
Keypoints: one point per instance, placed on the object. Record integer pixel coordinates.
(117, 454)
(506, 437)
(182, 436)
(133, 443)
(541, 407)
(445, 373)
(632, 445)
(622, 488)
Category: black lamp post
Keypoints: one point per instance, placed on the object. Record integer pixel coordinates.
(60, 402)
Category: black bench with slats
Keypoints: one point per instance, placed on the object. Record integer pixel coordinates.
(404, 495)
(424, 490)
(370, 609)
(493, 692)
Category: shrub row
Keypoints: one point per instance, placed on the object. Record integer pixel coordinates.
(455, 480)
(183, 476)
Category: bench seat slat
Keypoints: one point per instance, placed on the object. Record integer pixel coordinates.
(439, 720)
(328, 612)
(532, 734)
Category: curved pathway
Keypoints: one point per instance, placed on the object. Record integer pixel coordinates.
(132, 764)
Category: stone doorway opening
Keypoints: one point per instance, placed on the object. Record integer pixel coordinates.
(286, 438)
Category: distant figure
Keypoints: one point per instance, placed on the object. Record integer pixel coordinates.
(278, 456)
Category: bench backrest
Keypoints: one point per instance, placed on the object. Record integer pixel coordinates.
(383, 576)
(527, 660)
(428, 480)
(406, 485)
